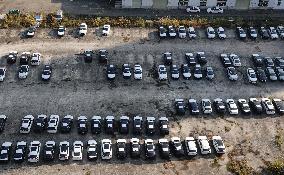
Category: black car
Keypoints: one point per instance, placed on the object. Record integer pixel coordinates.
(135, 148)
(137, 124)
(110, 124)
(3, 120)
(244, 106)
(241, 33)
(164, 149)
(49, 151)
(20, 151)
(268, 62)
(261, 76)
(174, 72)
(96, 124)
(66, 124)
(220, 106)
(150, 125)
(257, 60)
(82, 125)
(92, 152)
(121, 149)
(88, 56)
(190, 59)
(279, 62)
(176, 147)
(252, 33)
(168, 58)
(12, 57)
(46, 73)
(149, 149)
(264, 33)
(5, 152)
(200, 56)
(24, 59)
(124, 125)
(111, 71)
(185, 70)
(180, 106)
(225, 60)
(40, 123)
(103, 56)
(279, 105)
(164, 125)
(255, 105)
(193, 106)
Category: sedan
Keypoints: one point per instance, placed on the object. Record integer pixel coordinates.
(215, 9)
(251, 75)
(192, 9)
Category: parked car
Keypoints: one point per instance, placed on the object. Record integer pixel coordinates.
(190, 146)
(267, 106)
(34, 151)
(271, 74)
(106, 30)
(215, 9)
(96, 124)
(279, 62)
(273, 33)
(53, 124)
(25, 58)
(252, 33)
(192, 9)
(46, 73)
(77, 153)
(218, 144)
(176, 147)
(138, 73)
(280, 73)
(164, 148)
(49, 151)
(126, 71)
(181, 32)
(279, 105)
(135, 150)
(190, 58)
(168, 58)
(3, 119)
(257, 60)
(251, 75)
(206, 106)
(111, 71)
(106, 149)
(82, 125)
(201, 58)
(92, 152)
(209, 73)
(197, 72)
(88, 55)
(225, 60)
(232, 107)
(162, 71)
(244, 106)
(268, 62)
(124, 125)
(185, 70)
(150, 125)
(180, 106)
(221, 33)
(174, 72)
(210, 33)
(232, 74)
(64, 150)
(172, 32)
(261, 76)
(220, 106)
(103, 56)
(162, 32)
(191, 33)
(20, 151)
(23, 71)
(30, 32)
(203, 145)
(264, 33)
(12, 57)
(5, 152)
(26, 124)
(83, 29)
(235, 59)
(164, 125)
(121, 149)
(137, 124)
(61, 31)
(40, 123)
(66, 123)
(110, 124)
(35, 60)
(241, 33)
(255, 105)
(193, 106)
(280, 31)
(149, 149)
(59, 15)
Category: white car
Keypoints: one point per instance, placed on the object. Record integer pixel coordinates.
(61, 31)
(218, 144)
(172, 32)
(126, 71)
(26, 125)
(197, 73)
(106, 149)
(53, 124)
(232, 73)
(206, 106)
(191, 33)
(280, 30)
(232, 107)
(162, 32)
(190, 146)
(35, 60)
(268, 106)
(34, 151)
(235, 59)
(2, 73)
(5, 150)
(204, 145)
(162, 71)
(138, 72)
(23, 71)
(83, 29)
(215, 9)
(64, 150)
(251, 75)
(221, 33)
(174, 72)
(192, 9)
(106, 30)
(77, 153)
(210, 33)
(181, 32)
(59, 15)
(273, 33)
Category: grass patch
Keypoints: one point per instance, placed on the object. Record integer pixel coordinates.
(279, 138)
(276, 167)
(239, 167)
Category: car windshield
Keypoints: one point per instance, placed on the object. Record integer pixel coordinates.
(233, 72)
(241, 31)
(253, 31)
(1, 72)
(219, 142)
(106, 146)
(252, 75)
(61, 30)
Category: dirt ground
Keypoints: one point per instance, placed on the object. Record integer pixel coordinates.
(78, 88)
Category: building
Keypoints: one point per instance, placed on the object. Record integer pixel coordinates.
(180, 4)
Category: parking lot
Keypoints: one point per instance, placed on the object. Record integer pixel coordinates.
(78, 88)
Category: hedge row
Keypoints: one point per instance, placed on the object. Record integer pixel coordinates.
(26, 20)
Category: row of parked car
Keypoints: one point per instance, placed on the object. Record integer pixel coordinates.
(166, 149)
(264, 105)
(52, 124)
(211, 33)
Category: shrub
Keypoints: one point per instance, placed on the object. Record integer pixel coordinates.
(276, 167)
(239, 167)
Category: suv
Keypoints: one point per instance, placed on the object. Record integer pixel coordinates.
(206, 106)
(110, 124)
(162, 71)
(200, 56)
(164, 148)
(35, 60)
(180, 106)
(190, 146)
(220, 105)
(82, 125)
(26, 125)
(150, 149)
(137, 124)
(218, 144)
(40, 123)
(244, 106)
(135, 150)
(12, 57)
(257, 60)
(164, 125)
(121, 148)
(106, 149)
(168, 58)
(124, 125)
(96, 124)
(255, 105)
(20, 151)
(241, 33)
(64, 150)
(66, 124)
(221, 33)
(49, 151)
(203, 145)
(53, 124)
(210, 33)
(34, 151)
(88, 56)
(150, 125)
(176, 146)
(103, 55)
(46, 73)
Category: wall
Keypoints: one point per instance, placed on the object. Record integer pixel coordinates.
(194, 2)
(231, 4)
(173, 4)
(126, 3)
(147, 3)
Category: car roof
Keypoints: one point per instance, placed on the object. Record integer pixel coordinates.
(202, 137)
(163, 119)
(124, 117)
(216, 138)
(92, 142)
(121, 141)
(82, 118)
(109, 117)
(96, 117)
